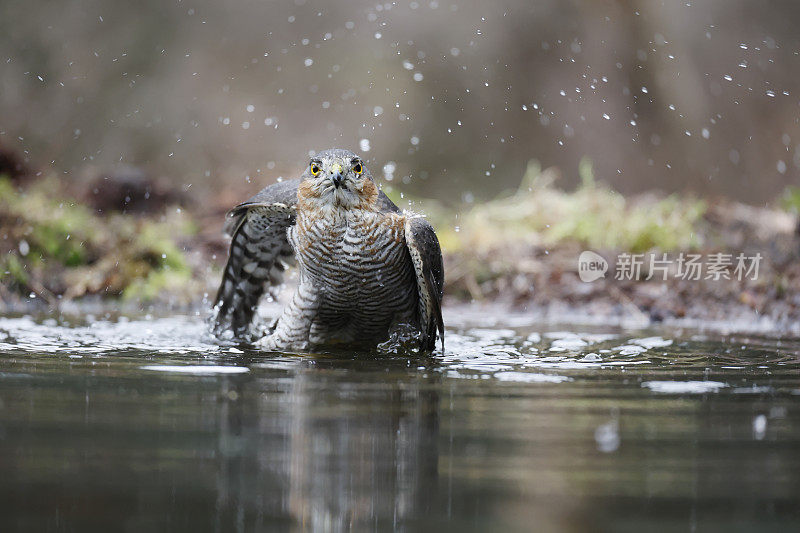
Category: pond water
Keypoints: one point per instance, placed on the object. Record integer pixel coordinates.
(148, 424)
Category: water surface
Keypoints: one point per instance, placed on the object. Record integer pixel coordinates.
(149, 424)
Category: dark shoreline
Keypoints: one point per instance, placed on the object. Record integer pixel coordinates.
(517, 254)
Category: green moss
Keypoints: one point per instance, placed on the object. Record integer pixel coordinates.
(6, 188)
(55, 230)
(790, 199)
(593, 216)
(155, 284)
(154, 244)
(13, 270)
(88, 252)
(53, 239)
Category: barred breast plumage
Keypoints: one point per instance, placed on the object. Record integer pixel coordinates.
(356, 276)
(365, 268)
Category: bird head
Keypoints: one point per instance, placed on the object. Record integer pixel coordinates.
(338, 178)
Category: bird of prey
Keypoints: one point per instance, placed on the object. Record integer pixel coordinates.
(366, 268)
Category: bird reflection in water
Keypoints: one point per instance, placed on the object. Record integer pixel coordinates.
(319, 451)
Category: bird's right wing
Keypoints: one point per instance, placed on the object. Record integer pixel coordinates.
(426, 256)
(259, 253)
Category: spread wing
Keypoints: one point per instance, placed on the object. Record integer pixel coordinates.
(259, 253)
(427, 258)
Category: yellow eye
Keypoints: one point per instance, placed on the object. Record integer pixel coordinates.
(315, 169)
(357, 168)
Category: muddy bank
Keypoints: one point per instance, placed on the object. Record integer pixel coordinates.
(124, 242)
(742, 274)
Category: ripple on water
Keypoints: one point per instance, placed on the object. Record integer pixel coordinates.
(499, 354)
(197, 369)
(507, 423)
(173, 335)
(530, 377)
(684, 387)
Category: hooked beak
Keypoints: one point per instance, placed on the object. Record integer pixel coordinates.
(336, 175)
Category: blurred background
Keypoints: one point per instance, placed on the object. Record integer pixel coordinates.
(447, 99)
(128, 128)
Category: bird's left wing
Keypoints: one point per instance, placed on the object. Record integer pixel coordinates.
(427, 258)
(259, 253)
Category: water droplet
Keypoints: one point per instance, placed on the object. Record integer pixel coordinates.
(388, 170)
(607, 437)
(759, 427)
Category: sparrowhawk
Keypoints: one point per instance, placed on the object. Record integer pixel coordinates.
(366, 268)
